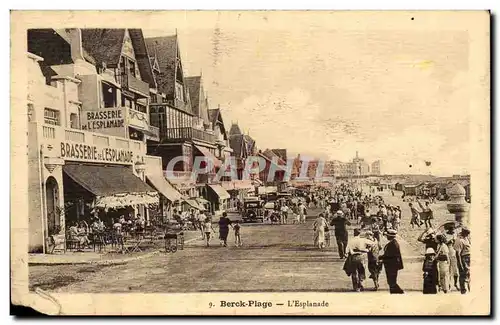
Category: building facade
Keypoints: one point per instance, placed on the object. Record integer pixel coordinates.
(186, 131)
(88, 125)
(376, 168)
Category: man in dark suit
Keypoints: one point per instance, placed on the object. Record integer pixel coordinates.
(340, 223)
(393, 262)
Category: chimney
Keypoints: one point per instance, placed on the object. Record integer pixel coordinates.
(75, 35)
(357, 154)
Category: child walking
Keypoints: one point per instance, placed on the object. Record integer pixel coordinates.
(327, 235)
(430, 272)
(237, 235)
(207, 228)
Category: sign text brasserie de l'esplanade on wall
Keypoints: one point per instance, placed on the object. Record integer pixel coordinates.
(93, 153)
(98, 120)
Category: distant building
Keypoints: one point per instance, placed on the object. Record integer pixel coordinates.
(312, 169)
(336, 168)
(359, 167)
(280, 153)
(243, 146)
(329, 170)
(376, 168)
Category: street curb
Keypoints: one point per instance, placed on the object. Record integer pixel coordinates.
(99, 262)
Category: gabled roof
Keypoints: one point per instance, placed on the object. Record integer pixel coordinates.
(213, 115)
(281, 153)
(64, 34)
(104, 45)
(235, 130)
(272, 155)
(199, 103)
(250, 143)
(166, 49)
(236, 143)
(50, 45)
(193, 84)
(142, 56)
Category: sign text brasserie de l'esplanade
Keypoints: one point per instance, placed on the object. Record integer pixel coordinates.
(98, 120)
(92, 153)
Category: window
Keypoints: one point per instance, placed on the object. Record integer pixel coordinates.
(152, 98)
(74, 121)
(108, 95)
(123, 68)
(131, 66)
(141, 108)
(31, 113)
(179, 94)
(126, 102)
(51, 116)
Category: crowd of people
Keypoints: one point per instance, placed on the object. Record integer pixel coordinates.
(447, 259)
(373, 246)
(111, 231)
(447, 255)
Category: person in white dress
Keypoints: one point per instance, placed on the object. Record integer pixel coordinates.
(319, 231)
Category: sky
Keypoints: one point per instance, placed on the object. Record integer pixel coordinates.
(328, 89)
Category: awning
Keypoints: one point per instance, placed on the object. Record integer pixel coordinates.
(202, 200)
(237, 185)
(113, 186)
(194, 204)
(220, 191)
(216, 162)
(145, 131)
(164, 187)
(257, 182)
(267, 189)
(144, 128)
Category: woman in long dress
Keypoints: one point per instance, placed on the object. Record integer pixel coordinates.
(319, 231)
(224, 223)
(443, 264)
(451, 237)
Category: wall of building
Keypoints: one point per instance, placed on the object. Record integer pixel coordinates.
(35, 205)
(89, 92)
(61, 96)
(41, 96)
(376, 168)
(166, 153)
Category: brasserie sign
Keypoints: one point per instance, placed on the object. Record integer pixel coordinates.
(80, 151)
(98, 120)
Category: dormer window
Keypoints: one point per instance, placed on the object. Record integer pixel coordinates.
(128, 65)
(132, 67)
(179, 92)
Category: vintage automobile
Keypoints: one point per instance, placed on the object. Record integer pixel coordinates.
(252, 210)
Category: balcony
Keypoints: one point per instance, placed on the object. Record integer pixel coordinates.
(124, 117)
(177, 103)
(140, 121)
(78, 145)
(208, 178)
(186, 134)
(128, 81)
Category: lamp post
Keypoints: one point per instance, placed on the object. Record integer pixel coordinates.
(458, 206)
